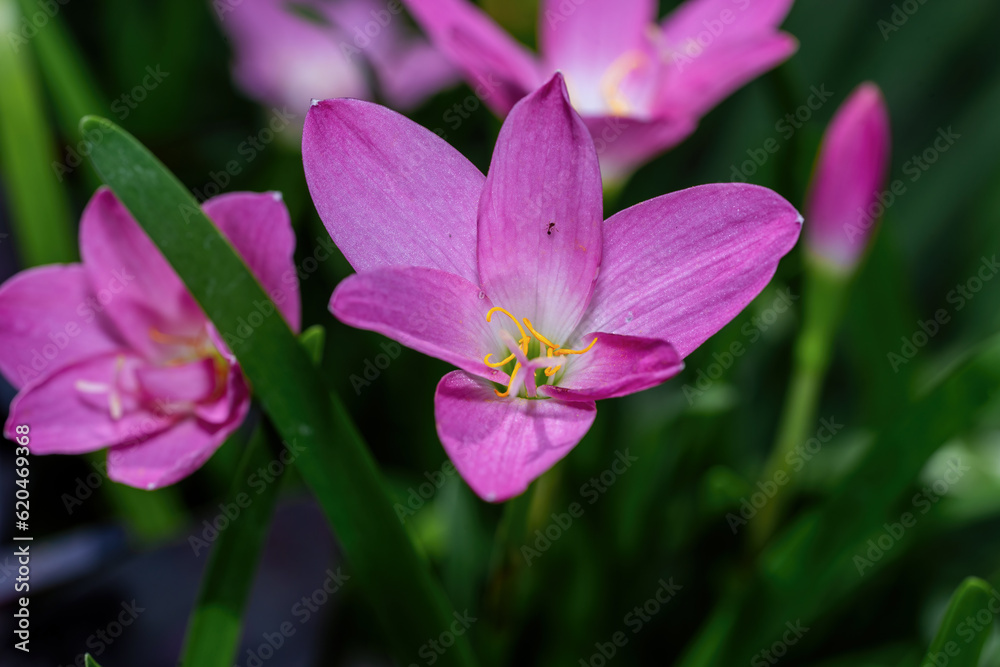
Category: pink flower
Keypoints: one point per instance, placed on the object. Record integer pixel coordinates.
(640, 86)
(284, 57)
(115, 352)
(516, 279)
(843, 202)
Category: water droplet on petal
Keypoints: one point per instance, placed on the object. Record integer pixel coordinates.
(628, 316)
(482, 294)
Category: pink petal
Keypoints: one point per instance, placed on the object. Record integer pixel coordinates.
(142, 291)
(540, 214)
(235, 392)
(625, 144)
(48, 321)
(702, 81)
(410, 70)
(723, 21)
(257, 224)
(500, 445)
(437, 313)
(583, 40)
(500, 70)
(69, 415)
(189, 383)
(681, 266)
(850, 174)
(283, 59)
(390, 192)
(172, 455)
(615, 366)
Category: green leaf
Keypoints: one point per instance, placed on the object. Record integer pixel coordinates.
(217, 620)
(958, 643)
(40, 212)
(90, 662)
(332, 458)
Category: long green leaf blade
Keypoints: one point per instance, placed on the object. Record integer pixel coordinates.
(959, 643)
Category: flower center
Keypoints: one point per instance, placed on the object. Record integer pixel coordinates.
(519, 353)
(613, 80)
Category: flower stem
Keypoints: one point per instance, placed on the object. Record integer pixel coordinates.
(824, 292)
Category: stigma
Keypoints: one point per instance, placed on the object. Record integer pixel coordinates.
(519, 354)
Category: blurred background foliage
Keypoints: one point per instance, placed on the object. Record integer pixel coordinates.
(700, 441)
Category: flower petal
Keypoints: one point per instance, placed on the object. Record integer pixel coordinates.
(48, 322)
(172, 455)
(258, 226)
(411, 69)
(540, 215)
(69, 413)
(140, 290)
(500, 445)
(615, 366)
(390, 192)
(681, 266)
(625, 144)
(850, 174)
(500, 70)
(437, 313)
(732, 20)
(187, 383)
(585, 40)
(701, 81)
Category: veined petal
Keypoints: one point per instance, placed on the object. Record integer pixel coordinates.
(499, 69)
(138, 289)
(258, 226)
(681, 266)
(540, 215)
(850, 174)
(437, 313)
(390, 192)
(500, 445)
(697, 83)
(625, 144)
(586, 40)
(75, 410)
(616, 366)
(48, 321)
(173, 454)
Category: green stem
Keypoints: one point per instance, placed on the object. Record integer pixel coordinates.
(215, 625)
(824, 292)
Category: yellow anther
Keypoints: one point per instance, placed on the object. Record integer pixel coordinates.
(549, 372)
(510, 384)
(494, 309)
(497, 364)
(586, 349)
(613, 78)
(541, 339)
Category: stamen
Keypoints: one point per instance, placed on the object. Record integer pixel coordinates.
(549, 372)
(494, 309)
(158, 336)
(88, 387)
(613, 78)
(540, 337)
(497, 364)
(510, 384)
(586, 349)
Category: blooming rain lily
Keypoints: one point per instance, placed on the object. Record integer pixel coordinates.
(843, 201)
(287, 54)
(115, 352)
(640, 86)
(516, 279)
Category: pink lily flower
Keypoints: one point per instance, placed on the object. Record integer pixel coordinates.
(284, 58)
(115, 352)
(640, 86)
(516, 279)
(843, 201)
